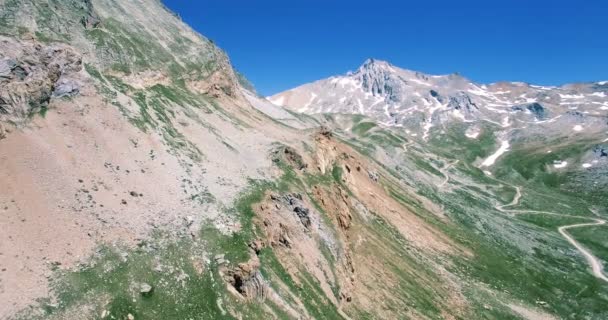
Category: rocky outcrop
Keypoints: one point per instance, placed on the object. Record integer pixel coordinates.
(90, 20)
(248, 281)
(31, 74)
(536, 109)
(599, 151)
(336, 201)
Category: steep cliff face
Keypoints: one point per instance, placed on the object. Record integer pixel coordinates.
(141, 178)
(117, 121)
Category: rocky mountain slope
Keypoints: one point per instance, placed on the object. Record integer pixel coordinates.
(418, 102)
(143, 179)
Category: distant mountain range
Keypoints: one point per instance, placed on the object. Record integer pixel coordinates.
(419, 102)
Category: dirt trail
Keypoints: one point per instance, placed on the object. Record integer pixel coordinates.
(596, 265)
(593, 261)
(444, 171)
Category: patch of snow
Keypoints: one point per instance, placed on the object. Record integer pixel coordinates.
(601, 83)
(571, 96)
(487, 173)
(599, 94)
(414, 80)
(577, 128)
(313, 96)
(386, 113)
(480, 92)
(345, 81)
(361, 110)
(549, 151)
(459, 115)
(504, 147)
(506, 122)
(472, 135)
(587, 165)
(548, 121)
(378, 100)
(279, 101)
(541, 87)
(560, 164)
(427, 127)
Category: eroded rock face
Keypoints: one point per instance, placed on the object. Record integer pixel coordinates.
(247, 280)
(31, 74)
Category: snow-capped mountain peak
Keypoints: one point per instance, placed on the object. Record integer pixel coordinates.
(404, 98)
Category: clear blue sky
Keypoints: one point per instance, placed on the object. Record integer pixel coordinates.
(280, 44)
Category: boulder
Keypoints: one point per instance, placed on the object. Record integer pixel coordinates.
(66, 88)
(248, 280)
(146, 289)
(304, 215)
(6, 67)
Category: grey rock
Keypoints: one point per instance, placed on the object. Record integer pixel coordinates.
(90, 21)
(599, 151)
(304, 215)
(6, 67)
(46, 72)
(66, 88)
(373, 175)
(146, 289)
(219, 259)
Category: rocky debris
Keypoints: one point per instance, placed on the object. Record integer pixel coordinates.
(463, 103)
(290, 156)
(66, 88)
(2, 132)
(6, 67)
(247, 280)
(294, 201)
(135, 194)
(257, 246)
(336, 201)
(575, 114)
(219, 259)
(146, 290)
(373, 176)
(217, 85)
(31, 74)
(90, 19)
(535, 108)
(294, 158)
(599, 151)
(304, 215)
(326, 132)
(538, 110)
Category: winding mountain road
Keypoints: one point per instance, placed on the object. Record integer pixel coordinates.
(593, 261)
(444, 171)
(596, 265)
